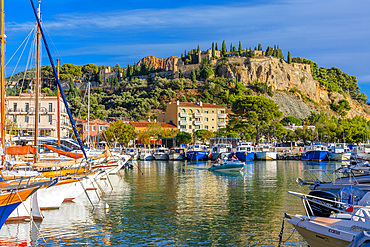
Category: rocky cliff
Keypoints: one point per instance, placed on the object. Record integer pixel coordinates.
(163, 63)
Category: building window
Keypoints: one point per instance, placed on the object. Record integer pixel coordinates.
(182, 118)
(196, 111)
(205, 119)
(183, 110)
(14, 118)
(14, 107)
(197, 119)
(206, 112)
(213, 119)
(218, 112)
(213, 111)
(39, 106)
(190, 111)
(189, 127)
(106, 127)
(206, 127)
(26, 119)
(100, 128)
(189, 118)
(50, 107)
(86, 127)
(27, 107)
(39, 118)
(50, 119)
(93, 128)
(197, 127)
(182, 127)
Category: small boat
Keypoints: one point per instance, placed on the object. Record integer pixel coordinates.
(197, 152)
(177, 154)
(245, 151)
(339, 152)
(133, 153)
(266, 152)
(361, 152)
(161, 153)
(221, 150)
(330, 222)
(314, 152)
(230, 165)
(147, 154)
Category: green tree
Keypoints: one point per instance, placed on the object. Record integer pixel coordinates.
(213, 50)
(204, 135)
(183, 137)
(289, 58)
(193, 76)
(291, 120)
(240, 48)
(256, 110)
(224, 48)
(259, 47)
(121, 132)
(216, 47)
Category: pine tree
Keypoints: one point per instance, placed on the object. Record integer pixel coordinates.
(216, 47)
(231, 47)
(193, 76)
(234, 48)
(240, 48)
(213, 50)
(289, 58)
(259, 47)
(198, 49)
(224, 48)
(128, 71)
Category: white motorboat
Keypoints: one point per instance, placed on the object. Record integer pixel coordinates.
(161, 153)
(147, 154)
(177, 154)
(266, 152)
(221, 150)
(339, 152)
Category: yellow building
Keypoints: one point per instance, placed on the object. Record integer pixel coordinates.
(189, 117)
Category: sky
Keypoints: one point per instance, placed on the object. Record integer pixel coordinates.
(332, 33)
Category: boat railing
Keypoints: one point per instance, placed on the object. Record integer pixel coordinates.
(312, 173)
(324, 202)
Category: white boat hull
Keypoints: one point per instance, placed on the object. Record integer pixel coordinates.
(161, 156)
(339, 156)
(27, 209)
(266, 155)
(176, 156)
(146, 157)
(53, 197)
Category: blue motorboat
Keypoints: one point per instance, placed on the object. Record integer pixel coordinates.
(245, 151)
(197, 152)
(315, 152)
(230, 165)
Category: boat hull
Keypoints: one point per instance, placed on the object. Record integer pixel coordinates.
(161, 156)
(339, 156)
(245, 156)
(314, 155)
(146, 157)
(266, 155)
(176, 156)
(197, 155)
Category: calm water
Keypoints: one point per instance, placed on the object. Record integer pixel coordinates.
(176, 204)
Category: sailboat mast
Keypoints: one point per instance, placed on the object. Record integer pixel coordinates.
(2, 76)
(88, 115)
(58, 106)
(38, 48)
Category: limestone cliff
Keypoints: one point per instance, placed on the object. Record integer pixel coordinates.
(163, 63)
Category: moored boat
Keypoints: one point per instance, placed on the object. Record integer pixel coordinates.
(230, 165)
(245, 151)
(266, 152)
(221, 150)
(177, 154)
(197, 152)
(314, 152)
(146, 154)
(161, 153)
(339, 152)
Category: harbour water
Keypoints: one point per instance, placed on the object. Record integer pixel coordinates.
(161, 203)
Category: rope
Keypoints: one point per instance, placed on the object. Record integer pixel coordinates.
(282, 231)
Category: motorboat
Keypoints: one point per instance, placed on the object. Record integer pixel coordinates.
(177, 154)
(221, 150)
(361, 152)
(314, 152)
(331, 222)
(161, 153)
(197, 152)
(266, 152)
(339, 152)
(133, 153)
(230, 165)
(245, 151)
(147, 154)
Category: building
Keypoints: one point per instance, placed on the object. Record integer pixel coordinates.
(21, 110)
(189, 117)
(97, 127)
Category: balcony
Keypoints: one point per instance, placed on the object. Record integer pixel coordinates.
(183, 130)
(183, 122)
(183, 114)
(198, 122)
(221, 115)
(221, 123)
(198, 114)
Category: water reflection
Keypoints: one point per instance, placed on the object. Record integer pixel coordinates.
(177, 203)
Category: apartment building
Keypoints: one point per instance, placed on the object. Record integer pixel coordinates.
(189, 117)
(21, 110)
(96, 126)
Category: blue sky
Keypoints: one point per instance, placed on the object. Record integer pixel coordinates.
(333, 33)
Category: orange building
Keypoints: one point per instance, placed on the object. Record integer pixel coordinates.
(97, 127)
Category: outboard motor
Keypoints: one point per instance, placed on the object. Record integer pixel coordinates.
(318, 209)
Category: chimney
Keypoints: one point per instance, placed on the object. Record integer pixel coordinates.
(178, 102)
